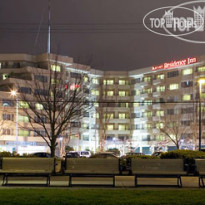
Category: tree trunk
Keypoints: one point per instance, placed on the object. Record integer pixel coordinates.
(53, 148)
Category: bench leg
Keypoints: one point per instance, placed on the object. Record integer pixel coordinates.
(4, 178)
(48, 180)
(113, 181)
(136, 181)
(201, 181)
(179, 181)
(70, 181)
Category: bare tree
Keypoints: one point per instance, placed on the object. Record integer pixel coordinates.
(52, 101)
(172, 126)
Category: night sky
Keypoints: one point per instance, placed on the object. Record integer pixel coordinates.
(107, 34)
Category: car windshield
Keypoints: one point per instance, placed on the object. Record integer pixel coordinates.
(85, 153)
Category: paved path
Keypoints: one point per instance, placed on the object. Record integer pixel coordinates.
(121, 181)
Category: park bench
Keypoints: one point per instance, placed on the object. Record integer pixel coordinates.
(158, 168)
(26, 167)
(200, 168)
(92, 167)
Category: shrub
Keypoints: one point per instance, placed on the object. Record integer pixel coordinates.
(183, 154)
(5, 154)
(189, 157)
(114, 150)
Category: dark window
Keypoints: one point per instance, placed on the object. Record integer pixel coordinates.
(41, 78)
(7, 103)
(187, 84)
(75, 75)
(7, 132)
(133, 92)
(187, 110)
(75, 124)
(8, 117)
(170, 112)
(40, 119)
(173, 99)
(24, 90)
(41, 92)
(86, 114)
(172, 74)
(39, 133)
(186, 123)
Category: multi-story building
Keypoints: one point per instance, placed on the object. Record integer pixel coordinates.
(131, 109)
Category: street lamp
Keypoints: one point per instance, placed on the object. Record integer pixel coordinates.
(201, 81)
(15, 94)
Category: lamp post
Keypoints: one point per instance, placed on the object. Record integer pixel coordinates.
(201, 81)
(15, 94)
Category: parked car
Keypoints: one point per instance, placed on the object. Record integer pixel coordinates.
(104, 155)
(72, 154)
(157, 154)
(134, 154)
(85, 154)
(41, 154)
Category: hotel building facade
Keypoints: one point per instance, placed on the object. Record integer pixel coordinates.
(130, 109)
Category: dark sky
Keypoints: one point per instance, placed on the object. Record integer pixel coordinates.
(108, 34)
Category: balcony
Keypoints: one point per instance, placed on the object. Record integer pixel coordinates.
(157, 81)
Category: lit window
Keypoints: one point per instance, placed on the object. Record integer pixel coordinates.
(24, 133)
(149, 90)
(148, 114)
(137, 92)
(23, 118)
(23, 104)
(121, 127)
(147, 79)
(85, 79)
(201, 69)
(96, 104)
(160, 138)
(110, 127)
(55, 81)
(122, 82)
(159, 125)
(122, 115)
(122, 93)
(5, 76)
(135, 104)
(160, 76)
(186, 97)
(124, 105)
(110, 93)
(95, 81)
(109, 116)
(148, 126)
(148, 102)
(96, 115)
(38, 106)
(108, 82)
(187, 71)
(160, 88)
(85, 126)
(173, 86)
(160, 113)
(56, 68)
(95, 92)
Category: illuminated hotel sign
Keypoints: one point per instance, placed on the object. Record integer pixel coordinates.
(175, 64)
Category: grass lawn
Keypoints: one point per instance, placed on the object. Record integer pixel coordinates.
(98, 196)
